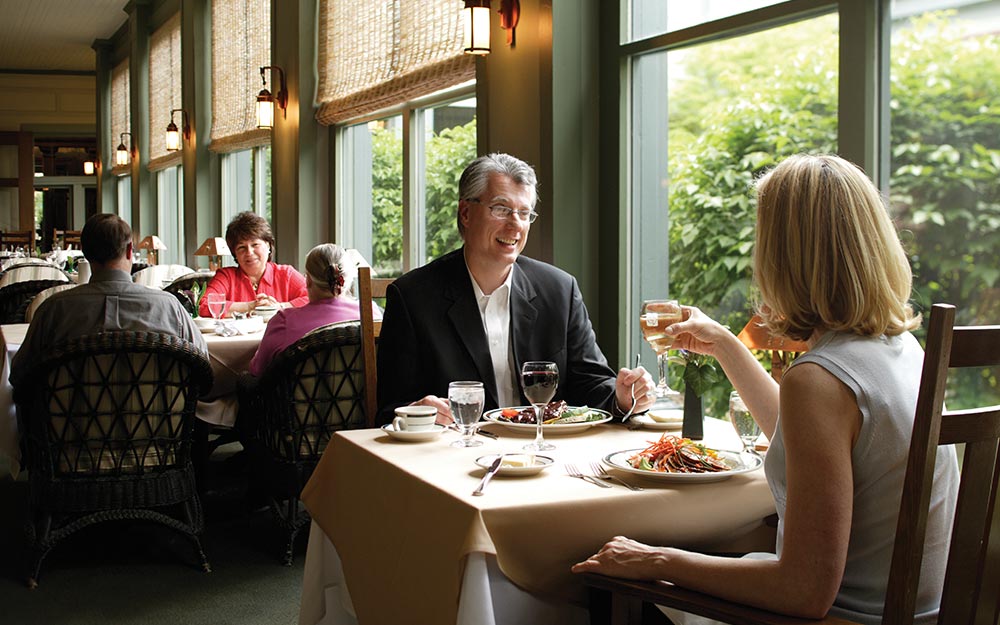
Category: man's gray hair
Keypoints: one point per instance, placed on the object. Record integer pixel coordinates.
(476, 176)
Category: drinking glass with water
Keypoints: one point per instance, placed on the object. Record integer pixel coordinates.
(746, 426)
(466, 399)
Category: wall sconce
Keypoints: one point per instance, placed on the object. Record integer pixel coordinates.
(88, 168)
(215, 248)
(151, 244)
(476, 16)
(266, 101)
(122, 152)
(173, 137)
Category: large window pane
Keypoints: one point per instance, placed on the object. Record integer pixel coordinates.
(246, 183)
(656, 17)
(449, 133)
(945, 163)
(123, 187)
(733, 108)
(170, 217)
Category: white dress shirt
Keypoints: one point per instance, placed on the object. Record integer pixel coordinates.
(495, 312)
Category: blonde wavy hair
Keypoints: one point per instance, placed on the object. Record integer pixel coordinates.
(827, 255)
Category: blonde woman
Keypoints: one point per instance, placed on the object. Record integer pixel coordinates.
(831, 271)
(329, 276)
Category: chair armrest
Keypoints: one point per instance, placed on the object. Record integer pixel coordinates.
(666, 594)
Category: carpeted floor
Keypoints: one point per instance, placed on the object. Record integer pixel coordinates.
(134, 573)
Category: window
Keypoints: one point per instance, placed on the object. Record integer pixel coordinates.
(246, 183)
(123, 187)
(170, 217)
(398, 182)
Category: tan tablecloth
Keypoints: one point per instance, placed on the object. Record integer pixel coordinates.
(402, 516)
(229, 356)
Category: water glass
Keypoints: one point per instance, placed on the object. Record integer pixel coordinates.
(466, 399)
(744, 422)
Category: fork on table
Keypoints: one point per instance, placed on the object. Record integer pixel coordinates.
(602, 474)
(572, 471)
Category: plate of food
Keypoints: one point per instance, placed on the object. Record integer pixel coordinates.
(676, 459)
(558, 418)
(517, 465)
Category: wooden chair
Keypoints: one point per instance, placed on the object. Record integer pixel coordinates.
(368, 289)
(107, 420)
(972, 576)
(68, 239)
(313, 388)
(10, 239)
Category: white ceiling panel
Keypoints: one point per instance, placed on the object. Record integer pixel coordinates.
(55, 35)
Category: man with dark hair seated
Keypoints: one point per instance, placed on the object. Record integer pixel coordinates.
(109, 302)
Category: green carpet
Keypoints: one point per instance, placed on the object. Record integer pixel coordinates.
(142, 573)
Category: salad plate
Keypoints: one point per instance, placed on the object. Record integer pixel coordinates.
(598, 417)
(517, 465)
(739, 463)
(416, 436)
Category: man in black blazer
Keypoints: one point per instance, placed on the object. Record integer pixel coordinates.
(481, 311)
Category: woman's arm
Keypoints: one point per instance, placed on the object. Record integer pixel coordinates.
(819, 425)
(702, 334)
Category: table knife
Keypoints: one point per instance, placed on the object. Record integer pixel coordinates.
(489, 475)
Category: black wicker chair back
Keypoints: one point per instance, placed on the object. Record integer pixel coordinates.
(107, 421)
(181, 287)
(313, 388)
(15, 298)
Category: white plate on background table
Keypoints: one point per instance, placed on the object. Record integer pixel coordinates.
(416, 436)
(548, 428)
(648, 422)
(740, 463)
(518, 466)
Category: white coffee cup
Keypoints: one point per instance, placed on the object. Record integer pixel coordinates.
(414, 418)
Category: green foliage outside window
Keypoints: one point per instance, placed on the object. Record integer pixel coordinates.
(732, 119)
(447, 154)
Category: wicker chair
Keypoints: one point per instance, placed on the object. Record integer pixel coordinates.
(310, 390)
(15, 298)
(107, 422)
(185, 283)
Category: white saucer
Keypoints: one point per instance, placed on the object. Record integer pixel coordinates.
(205, 324)
(541, 463)
(414, 437)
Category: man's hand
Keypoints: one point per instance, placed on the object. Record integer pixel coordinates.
(442, 406)
(634, 383)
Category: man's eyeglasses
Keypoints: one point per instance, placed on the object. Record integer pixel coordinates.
(504, 212)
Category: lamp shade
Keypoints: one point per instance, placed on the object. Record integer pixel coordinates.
(173, 138)
(215, 248)
(121, 155)
(151, 242)
(265, 109)
(476, 18)
(88, 168)
(755, 336)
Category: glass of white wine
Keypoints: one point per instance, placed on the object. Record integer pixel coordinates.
(654, 319)
(746, 426)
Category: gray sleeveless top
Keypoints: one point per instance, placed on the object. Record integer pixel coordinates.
(884, 374)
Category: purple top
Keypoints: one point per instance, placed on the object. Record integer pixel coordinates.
(291, 324)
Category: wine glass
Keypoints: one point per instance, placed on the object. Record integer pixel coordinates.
(466, 400)
(216, 306)
(540, 380)
(744, 423)
(655, 317)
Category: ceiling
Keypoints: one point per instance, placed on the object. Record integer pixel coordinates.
(55, 35)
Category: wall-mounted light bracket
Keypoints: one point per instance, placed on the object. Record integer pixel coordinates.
(123, 153)
(173, 136)
(510, 15)
(266, 101)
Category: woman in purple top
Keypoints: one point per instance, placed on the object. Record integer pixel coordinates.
(329, 276)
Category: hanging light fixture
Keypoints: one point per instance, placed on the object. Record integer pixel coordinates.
(173, 137)
(476, 17)
(266, 101)
(122, 152)
(88, 168)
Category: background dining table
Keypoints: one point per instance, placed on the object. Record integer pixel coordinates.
(398, 536)
(229, 356)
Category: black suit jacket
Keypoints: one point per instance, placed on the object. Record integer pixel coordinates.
(432, 334)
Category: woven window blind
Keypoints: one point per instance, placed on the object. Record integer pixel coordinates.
(241, 45)
(373, 55)
(164, 91)
(121, 120)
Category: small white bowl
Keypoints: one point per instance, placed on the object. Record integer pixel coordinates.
(265, 312)
(205, 324)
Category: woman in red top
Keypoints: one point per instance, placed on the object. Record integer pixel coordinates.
(256, 281)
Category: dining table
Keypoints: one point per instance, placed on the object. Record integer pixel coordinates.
(397, 535)
(229, 356)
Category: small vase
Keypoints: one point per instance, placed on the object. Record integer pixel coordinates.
(694, 425)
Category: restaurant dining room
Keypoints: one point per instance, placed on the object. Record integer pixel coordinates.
(278, 347)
